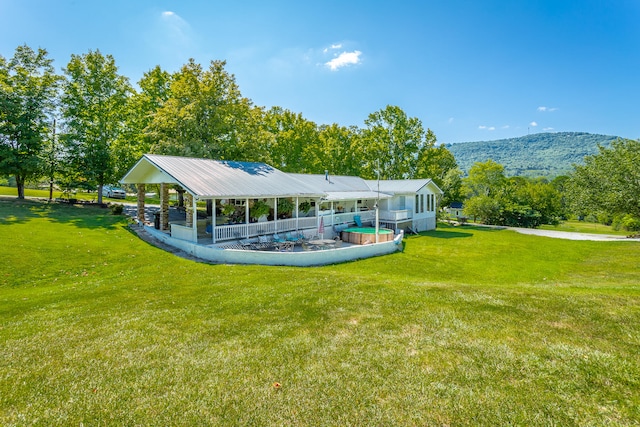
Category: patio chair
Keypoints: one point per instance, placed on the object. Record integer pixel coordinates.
(264, 242)
(278, 239)
(358, 220)
(290, 237)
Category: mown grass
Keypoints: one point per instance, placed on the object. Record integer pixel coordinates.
(467, 326)
(585, 227)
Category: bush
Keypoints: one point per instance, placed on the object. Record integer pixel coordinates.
(626, 222)
(117, 209)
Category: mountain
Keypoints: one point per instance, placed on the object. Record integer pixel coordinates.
(541, 154)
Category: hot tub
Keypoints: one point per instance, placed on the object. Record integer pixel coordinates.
(366, 235)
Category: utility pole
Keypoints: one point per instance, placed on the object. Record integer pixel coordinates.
(51, 160)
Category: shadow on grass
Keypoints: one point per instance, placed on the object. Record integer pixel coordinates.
(21, 211)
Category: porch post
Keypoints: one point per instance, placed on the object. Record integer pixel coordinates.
(141, 190)
(164, 206)
(275, 213)
(247, 220)
(213, 221)
(188, 208)
(297, 215)
(194, 217)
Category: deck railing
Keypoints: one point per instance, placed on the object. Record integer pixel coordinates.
(244, 231)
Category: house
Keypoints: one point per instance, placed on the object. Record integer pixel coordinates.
(455, 209)
(236, 191)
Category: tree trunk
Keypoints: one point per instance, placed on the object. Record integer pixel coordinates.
(20, 185)
(100, 193)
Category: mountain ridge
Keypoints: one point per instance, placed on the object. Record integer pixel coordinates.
(547, 154)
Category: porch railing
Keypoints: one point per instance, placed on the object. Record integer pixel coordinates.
(244, 231)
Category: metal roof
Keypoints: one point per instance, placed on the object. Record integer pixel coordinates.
(218, 178)
(403, 186)
(340, 187)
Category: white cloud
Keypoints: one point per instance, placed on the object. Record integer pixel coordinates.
(533, 124)
(547, 129)
(332, 47)
(344, 59)
(176, 28)
(547, 109)
(482, 127)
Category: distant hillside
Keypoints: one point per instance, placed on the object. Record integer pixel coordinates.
(541, 154)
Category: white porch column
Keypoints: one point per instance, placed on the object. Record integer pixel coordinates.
(247, 220)
(275, 214)
(297, 215)
(194, 218)
(213, 221)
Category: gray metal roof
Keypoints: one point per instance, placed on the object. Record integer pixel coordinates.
(403, 186)
(338, 187)
(218, 178)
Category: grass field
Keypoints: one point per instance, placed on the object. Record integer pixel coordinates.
(467, 326)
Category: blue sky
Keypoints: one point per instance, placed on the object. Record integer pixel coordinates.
(469, 70)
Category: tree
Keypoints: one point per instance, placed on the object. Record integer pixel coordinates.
(485, 179)
(134, 141)
(608, 182)
(391, 143)
(434, 162)
(28, 90)
(292, 137)
(95, 110)
(337, 150)
(204, 115)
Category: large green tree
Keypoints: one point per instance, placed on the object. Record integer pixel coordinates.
(28, 90)
(94, 105)
(204, 115)
(391, 144)
(608, 182)
(134, 141)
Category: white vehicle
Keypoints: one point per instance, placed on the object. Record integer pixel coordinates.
(113, 192)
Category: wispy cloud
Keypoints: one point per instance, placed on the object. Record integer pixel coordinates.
(547, 129)
(547, 109)
(451, 120)
(483, 127)
(344, 59)
(174, 35)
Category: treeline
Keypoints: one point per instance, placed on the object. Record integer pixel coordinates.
(606, 188)
(87, 126)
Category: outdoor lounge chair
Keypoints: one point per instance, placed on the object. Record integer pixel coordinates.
(278, 239)
(291, 237)
(358, 220)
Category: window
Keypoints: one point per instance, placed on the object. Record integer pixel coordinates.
(403, 203)
(422, 203)
(417, 203)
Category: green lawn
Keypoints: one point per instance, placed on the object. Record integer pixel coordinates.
(585, 227)
(467, 326)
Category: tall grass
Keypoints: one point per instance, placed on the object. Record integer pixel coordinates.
(465, 327)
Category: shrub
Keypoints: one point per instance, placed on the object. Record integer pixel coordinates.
(117, 209)
(626, 222)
